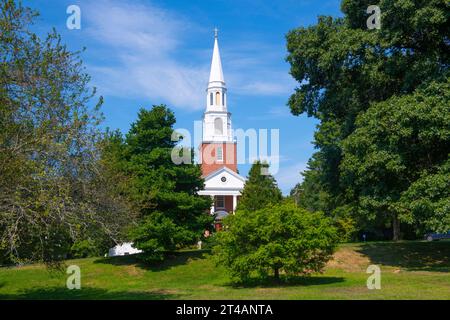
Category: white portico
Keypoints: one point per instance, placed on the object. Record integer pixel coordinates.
(225, 183)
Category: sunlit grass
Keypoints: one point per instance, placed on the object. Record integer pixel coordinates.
(410, 270)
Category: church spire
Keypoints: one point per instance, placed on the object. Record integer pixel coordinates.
(216, 119)
(216, 73)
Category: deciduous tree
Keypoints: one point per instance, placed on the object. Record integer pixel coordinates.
(51, 193)
(343, 68)
(281, 238)
(401, 146)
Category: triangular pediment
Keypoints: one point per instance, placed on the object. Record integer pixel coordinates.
(224, 179)
(224, 171)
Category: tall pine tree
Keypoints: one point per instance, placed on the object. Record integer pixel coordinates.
(164, 194)
(260, 189)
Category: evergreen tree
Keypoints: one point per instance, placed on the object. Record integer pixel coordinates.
(260, 188)
(164, 194)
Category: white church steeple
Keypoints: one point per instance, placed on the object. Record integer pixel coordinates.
(216, 119)
(218, 150)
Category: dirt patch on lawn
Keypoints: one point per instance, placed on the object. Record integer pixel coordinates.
(133, 270)
(348, 259)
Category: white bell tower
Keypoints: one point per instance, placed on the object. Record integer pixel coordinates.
(216, 119)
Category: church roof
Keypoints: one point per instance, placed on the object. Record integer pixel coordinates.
(216, 73)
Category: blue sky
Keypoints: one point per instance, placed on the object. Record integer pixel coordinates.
(142, 53)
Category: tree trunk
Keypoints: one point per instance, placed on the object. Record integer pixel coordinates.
(395, 227)
(276, 274)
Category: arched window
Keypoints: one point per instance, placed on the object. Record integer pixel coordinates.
(211, 98)
(217, 98)
(218, 126)
(223, 99)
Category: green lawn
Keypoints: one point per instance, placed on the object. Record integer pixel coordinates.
(410, 270)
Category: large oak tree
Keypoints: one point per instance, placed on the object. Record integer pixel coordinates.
(395, 163)
(343, 68)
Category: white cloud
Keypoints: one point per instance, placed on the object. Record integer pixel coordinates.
(132, 27)
(271, 113)
(257, 68)
(265, 88)
(140, 46)
(289, 175)
(281, 111)
(140, 40)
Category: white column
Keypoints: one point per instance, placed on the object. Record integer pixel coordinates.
(212, 206)
(234, 203)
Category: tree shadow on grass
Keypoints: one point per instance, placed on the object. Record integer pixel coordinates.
(172, 259)
(285, 282)
(410, 255)
(58, 293)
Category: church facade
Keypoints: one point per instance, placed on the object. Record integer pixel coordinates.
(218, 150)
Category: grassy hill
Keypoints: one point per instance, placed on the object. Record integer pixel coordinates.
(410, 270)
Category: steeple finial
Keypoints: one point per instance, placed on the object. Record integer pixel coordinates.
(215, 32)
